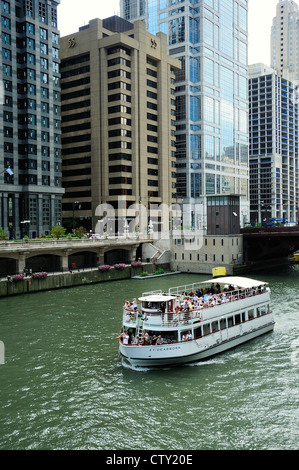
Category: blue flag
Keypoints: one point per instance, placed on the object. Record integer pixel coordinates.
(9, 171)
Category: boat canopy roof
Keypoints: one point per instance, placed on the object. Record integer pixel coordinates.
(242, 282)
(157, 298)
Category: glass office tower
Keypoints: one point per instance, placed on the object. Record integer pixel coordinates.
(211, 39)
(30, 191)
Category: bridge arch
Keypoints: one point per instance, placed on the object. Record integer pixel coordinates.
(8, 265)
(46, 262)
(83, 259)
(119, 255)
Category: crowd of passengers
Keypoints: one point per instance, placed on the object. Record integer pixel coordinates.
(194, 301)
(127, 337)
(212, 296)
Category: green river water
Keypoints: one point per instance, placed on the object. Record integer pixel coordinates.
(63, 385)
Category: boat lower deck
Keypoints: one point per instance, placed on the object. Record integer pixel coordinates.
(173, 354)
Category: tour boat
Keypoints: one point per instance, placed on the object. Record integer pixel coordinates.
(194, 322)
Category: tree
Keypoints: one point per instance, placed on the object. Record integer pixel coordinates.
(57, 231)
(3, 234)
(80, 232)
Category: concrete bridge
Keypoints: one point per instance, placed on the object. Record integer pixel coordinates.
(66, 254)
(269, 243)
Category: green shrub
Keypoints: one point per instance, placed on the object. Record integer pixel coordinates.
(3, 234)
(159, 271)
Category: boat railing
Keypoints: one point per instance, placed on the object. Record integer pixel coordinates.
(178, 290)
(160, 320)
(171, 320)
(152, 292)
(131, 316)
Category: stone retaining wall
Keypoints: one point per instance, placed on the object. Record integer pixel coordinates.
(62, 280)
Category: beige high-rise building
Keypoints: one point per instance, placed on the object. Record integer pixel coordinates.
(285, 40)
(117, 119)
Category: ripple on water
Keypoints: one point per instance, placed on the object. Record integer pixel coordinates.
(65, 386)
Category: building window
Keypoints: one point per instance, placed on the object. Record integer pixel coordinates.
(42, 12)
(29, 7)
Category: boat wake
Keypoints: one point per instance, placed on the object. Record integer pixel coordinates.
(127, 365)
(216, 360)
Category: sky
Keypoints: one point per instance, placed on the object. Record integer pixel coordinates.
(71, 16)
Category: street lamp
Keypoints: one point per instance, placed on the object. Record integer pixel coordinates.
(79, 206)
(266, 206)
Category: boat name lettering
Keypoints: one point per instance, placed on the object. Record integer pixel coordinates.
(168, 348)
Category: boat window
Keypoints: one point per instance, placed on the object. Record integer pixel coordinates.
(258, 312)
(250, 314)
(215, 326)
(170, 338)
(263, 310)
(238, 318)
(243, 316)
(230, 321)
(222, 324)
(206, 329)
(151, 305)
(197, 332)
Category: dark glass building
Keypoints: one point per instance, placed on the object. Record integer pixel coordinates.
(30, 173)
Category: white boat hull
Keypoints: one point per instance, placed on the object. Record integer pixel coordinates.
(174, 354)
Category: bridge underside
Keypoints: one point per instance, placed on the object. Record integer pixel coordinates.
(269, 246)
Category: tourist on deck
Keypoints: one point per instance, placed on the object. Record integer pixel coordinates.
(159, 340)
(145, 340)
(154, 339)
(127, 305)
(120, 333)
(135, 340)
(125, 338)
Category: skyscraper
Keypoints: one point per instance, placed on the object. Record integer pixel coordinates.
(273, 130)
(284, 39)
(30, 192)
(211, 40)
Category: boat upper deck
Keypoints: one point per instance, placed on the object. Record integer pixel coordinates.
(189, 304)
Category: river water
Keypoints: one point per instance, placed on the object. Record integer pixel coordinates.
(63, 385)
